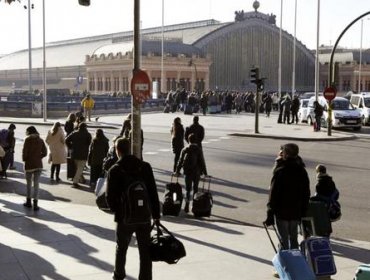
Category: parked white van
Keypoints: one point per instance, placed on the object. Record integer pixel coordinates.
(362, 102)
(344, 114)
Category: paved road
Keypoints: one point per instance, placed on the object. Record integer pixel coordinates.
(241, 166)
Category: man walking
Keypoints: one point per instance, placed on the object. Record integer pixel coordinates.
(289, 196)
(79, 142)
(197, 130)
(129, 171)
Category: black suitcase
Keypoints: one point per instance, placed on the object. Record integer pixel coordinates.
(172, 198)
(71, 168)
(188, 110)
(203, 201)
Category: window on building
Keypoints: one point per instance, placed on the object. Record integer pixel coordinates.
(107, 84)
(100, 84)
(92, 84)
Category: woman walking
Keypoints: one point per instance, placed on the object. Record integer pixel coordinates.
(177, 133)
(99, 148)
(57, 155)
(34, 150)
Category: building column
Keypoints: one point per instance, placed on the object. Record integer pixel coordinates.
(178, 77)
(120, 78)
(103, 81)
(111, 81)
(193, 79)
(95, 82)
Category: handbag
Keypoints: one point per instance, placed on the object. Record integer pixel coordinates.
(100, 190)
(164, 246)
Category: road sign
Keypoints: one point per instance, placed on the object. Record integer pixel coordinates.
(140, 86)
(330, 93)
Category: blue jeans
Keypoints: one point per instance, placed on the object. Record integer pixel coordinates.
(33, 176)
(288, 232)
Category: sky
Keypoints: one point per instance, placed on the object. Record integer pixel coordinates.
(66, 19)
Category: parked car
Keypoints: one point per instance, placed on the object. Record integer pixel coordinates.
(344, 114)
(361, 101)
(303, 110)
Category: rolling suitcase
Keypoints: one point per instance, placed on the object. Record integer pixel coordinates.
(319, 255)
(203, 201)
(363, 272)
(172, 198)
(71, 168)
(290, 264)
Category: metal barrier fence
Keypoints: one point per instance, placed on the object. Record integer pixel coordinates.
(59, 109)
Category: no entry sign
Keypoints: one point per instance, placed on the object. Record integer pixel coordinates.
(330, 93)
(140, 86)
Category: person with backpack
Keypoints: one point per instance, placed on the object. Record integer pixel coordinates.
(132, 196)
(192, 161)
(327, 192)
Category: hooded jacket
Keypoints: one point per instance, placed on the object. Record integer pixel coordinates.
(117, 182)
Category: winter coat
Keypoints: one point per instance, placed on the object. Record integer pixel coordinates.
(98, 151)
(2, 154)
(34, 150)
(69, 127)
(289, 190)
(57, 147)
(197, 164)
(177, 140)
(325, 185)
(79, 142)
(87, 103)
(117, 182)
(198, 131)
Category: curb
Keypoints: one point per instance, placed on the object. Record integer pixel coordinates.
(342, 138)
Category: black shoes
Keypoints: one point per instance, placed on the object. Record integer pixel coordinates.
(28, 203)
(186, 208)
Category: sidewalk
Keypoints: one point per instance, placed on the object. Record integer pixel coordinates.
(76, 242)
(61, 242)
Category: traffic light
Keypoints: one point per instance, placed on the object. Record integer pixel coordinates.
(84, 2)
(255, 75)
(260, 85)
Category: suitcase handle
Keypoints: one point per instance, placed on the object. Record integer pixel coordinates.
(269, 236)
(175, 175)
(204, 179)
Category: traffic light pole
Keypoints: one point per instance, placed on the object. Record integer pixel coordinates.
(256, 110)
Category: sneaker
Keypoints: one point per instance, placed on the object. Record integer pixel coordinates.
(275, 274)
(75, 185)
(186, 208)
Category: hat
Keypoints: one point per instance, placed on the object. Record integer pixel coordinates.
(320, 168)
(291, 150)
(12, 126)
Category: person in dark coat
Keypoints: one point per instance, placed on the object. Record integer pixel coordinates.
(294, 108)
(268, 104)
(126, 127)
(79, 142)
(197, 130)
(318, 111)
(177, 140)
(69, 125)
(34, 150)
(118, 180)
(98, 150)
(192, 161)
(286, 108)
(289, 196)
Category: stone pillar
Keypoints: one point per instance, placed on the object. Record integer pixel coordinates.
(95, 82)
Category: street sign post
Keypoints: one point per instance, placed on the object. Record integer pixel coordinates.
(140, 86)
(329, 94)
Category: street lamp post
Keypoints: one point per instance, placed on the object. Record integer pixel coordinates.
(191, 63)
(280, 43)
(360, 62)
(294, 47)
(162, 49)
(44, 61)
(317, 65)
(29, 48)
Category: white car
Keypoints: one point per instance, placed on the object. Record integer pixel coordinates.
(362, 102)
(303, 110)
(344, 115)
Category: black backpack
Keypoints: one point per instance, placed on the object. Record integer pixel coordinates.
(136, 203)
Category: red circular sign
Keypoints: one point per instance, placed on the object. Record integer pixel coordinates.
(140, 86)
(330, 93)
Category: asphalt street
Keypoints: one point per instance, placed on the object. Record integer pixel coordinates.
(240, 166)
